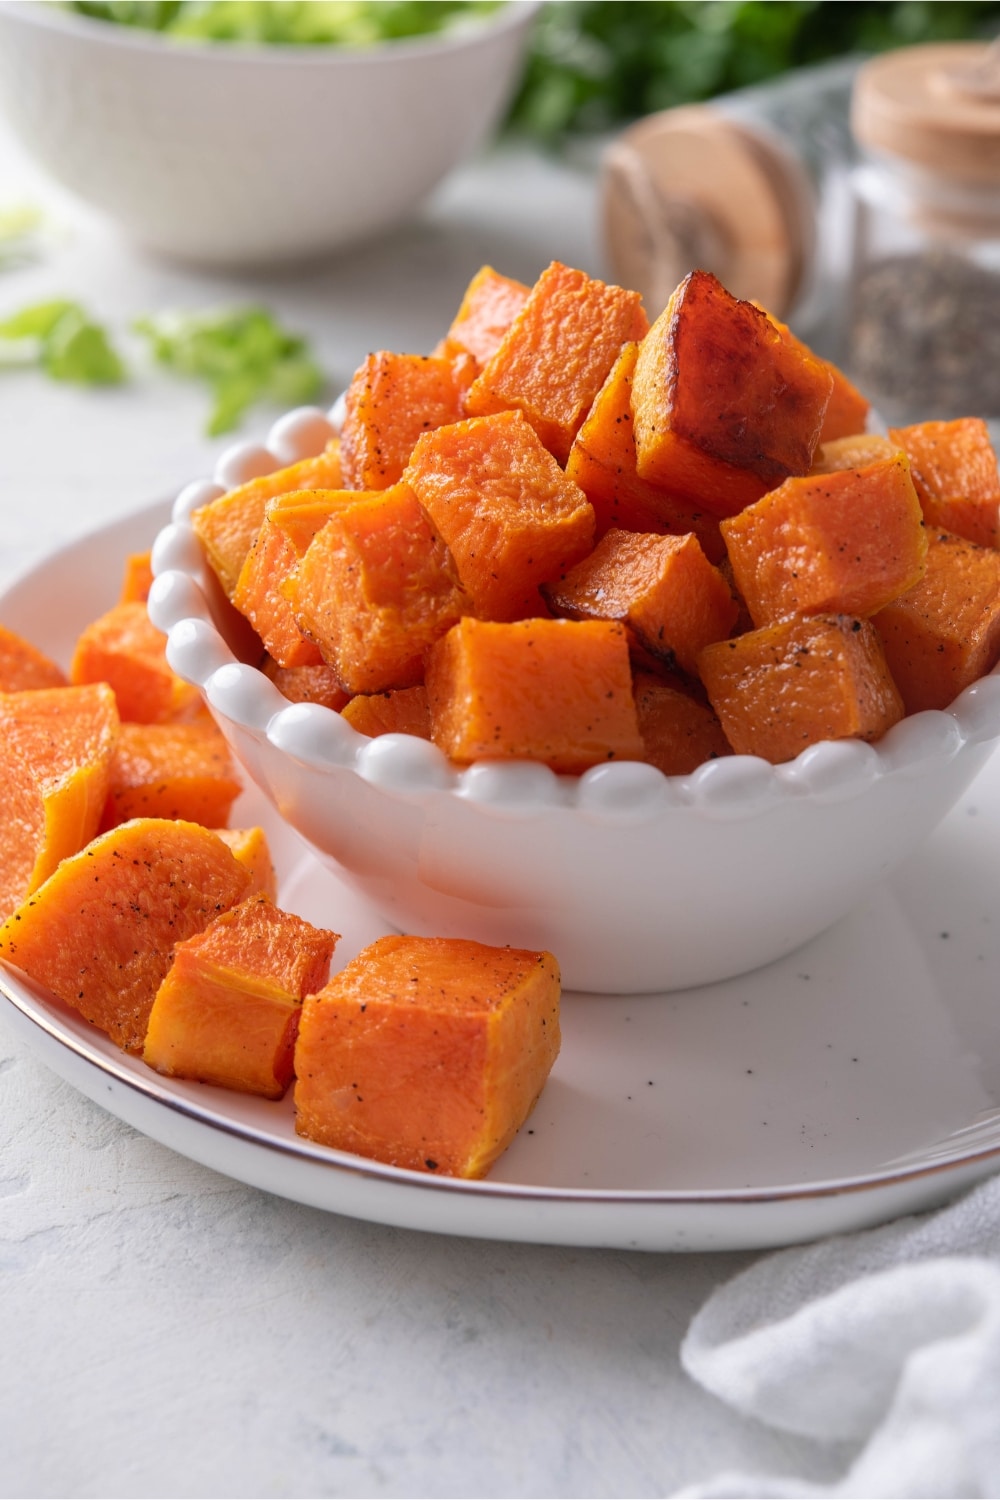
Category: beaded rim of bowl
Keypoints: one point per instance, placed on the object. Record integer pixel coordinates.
(627, 791)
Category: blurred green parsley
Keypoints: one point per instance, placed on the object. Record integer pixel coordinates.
(243, 355)
(61, 338)
(596, 63)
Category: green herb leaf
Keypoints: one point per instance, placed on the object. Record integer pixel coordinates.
(61, 338)
(242, 353)
(78, 350)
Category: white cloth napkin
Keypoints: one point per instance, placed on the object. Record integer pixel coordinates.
(888, 1340)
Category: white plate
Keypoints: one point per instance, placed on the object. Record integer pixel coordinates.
(855, 1080)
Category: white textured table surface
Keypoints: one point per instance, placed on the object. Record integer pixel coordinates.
(166, 1331)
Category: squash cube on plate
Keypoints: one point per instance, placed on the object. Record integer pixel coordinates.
(251, 848)
(427, 1053)
(228, 1010)
(662, 587)
(784, 687)
(23, 666)
(56, 751)
(315, 684)
(171, 771)
(391, 401)
(508, 513)
(840, 543)
(556, 354)
(558, 691)
(124, 649)
(100, 931)
(724, 409)
(376, 587)
(944, 633)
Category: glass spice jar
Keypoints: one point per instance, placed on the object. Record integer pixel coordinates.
(922, 331)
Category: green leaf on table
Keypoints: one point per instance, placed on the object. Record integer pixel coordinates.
(243, 354)
(61, 338)
(78, 350)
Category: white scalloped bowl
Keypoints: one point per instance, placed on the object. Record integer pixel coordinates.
(636, 881)
(243, 155)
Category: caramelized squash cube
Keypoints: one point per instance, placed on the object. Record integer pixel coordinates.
(559, 691)
(427, 1053)
(556, 354)
(316, 684)
(227, 1012)
(787, 686)
(602, 462)
(724, 409)
(508, 513)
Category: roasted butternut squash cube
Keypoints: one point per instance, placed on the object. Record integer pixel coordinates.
(855, 452)
(137, 577)
(392, 399)
(427, 1053)
(679, 732)
(100, 931)
(23, 666)
(847, 410)
(228, 1010)
(124, 649)
(602, 462)
(508, 513)
(400, 711)
(787, 686)
(226, 527)
(376, 587)
(488, 308)
(954, 468)
(289, 525)
(171, 771)
(251, 848)
(559, 691)
(56, 750)
(555, 356)
(944, 633)
(316, 684)
(662, 587)
(840, 543)
(724, 409)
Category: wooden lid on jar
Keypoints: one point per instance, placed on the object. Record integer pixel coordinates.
(935, 106)
(689, 189)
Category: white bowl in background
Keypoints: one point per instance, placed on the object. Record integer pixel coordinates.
(636, 881)
(234, 155)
